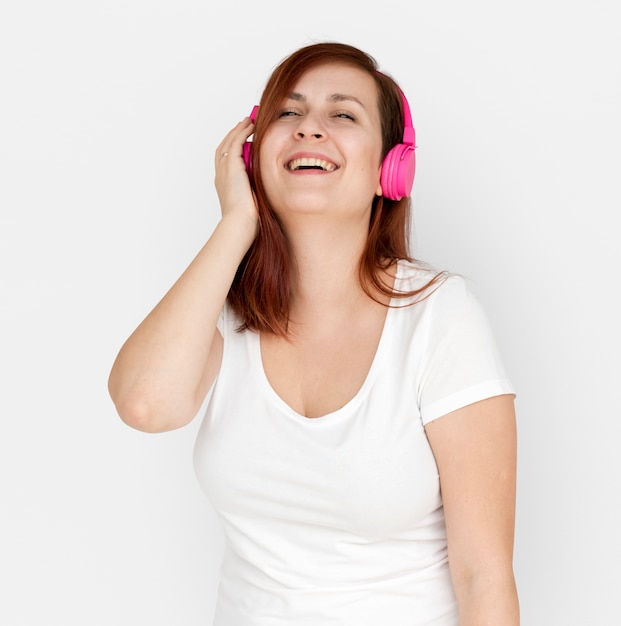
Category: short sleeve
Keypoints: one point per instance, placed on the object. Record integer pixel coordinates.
(462, 364)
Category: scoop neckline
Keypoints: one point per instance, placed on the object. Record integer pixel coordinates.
(349, 407)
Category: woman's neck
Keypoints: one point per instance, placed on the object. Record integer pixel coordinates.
(326, 267)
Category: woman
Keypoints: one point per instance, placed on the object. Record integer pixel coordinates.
(359, 443)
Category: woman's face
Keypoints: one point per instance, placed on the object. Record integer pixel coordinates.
(323, 153)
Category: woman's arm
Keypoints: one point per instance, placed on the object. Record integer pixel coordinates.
(475, 450)
(163, 371)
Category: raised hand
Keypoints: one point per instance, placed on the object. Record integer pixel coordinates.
(232, 182)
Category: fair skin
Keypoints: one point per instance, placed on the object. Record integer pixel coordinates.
(165, 368)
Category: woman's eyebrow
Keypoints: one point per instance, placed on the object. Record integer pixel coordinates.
(335, 97)
(341, 97)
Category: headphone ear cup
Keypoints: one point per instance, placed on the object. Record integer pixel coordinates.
(397, 175)
(247, 147)
(247, 155)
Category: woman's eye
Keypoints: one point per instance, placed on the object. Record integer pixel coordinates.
(345, 115)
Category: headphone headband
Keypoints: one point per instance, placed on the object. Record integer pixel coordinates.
(409, 134)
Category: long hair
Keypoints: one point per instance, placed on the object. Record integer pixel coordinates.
(261, 290)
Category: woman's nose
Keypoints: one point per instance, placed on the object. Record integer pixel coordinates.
(310, 127)
(315, 135)
(301, 134)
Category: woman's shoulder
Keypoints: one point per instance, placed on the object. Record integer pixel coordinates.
(423, 280)
(414, 270)
(447, 300)
(445, 296)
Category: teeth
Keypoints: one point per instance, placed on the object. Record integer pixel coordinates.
(296, 164)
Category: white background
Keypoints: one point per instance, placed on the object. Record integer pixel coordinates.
(110, 113)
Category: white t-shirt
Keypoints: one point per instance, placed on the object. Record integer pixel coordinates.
(338, 520)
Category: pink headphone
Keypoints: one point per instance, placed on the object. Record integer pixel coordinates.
(247, 149)
(398, 167)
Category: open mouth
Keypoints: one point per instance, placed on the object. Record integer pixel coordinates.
(308, 163)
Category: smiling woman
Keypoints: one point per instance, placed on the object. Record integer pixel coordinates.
(359, 440)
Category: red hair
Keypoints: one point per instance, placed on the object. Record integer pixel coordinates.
(261, 290)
